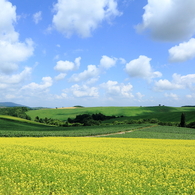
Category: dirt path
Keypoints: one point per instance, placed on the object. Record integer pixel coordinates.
(121, 132)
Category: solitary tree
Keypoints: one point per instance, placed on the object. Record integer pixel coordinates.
(183, 120)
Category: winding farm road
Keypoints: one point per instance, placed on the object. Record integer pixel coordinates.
(122, 132)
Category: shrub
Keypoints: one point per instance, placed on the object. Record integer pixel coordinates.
(191, 125)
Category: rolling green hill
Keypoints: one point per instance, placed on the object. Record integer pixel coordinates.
(16, 127)
(163, 113)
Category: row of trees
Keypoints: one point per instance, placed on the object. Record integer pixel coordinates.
(96, 119)
(90, 119)
(50, 121)
(15, 111)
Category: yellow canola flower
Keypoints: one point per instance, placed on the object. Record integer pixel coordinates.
(30, 166)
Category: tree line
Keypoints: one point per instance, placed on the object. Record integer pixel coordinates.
(19, 112)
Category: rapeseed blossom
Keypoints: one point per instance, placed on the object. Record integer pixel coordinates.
(30, 166)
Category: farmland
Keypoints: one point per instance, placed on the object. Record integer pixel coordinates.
(162, 113)
(123, 159)
(15, 127)
(96, 166)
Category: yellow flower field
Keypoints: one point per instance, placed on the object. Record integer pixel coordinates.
(89, 166)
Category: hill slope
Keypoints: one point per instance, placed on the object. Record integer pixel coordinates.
(163, 113)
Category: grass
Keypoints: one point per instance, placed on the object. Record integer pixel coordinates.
(160, 132)
(103, 166)
(163, 113)
(15, 127)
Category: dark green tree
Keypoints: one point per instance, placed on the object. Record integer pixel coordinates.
(183, 120)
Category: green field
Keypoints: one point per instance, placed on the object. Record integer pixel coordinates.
(12, 126)
(160, 132)
(163, 113)
(16, 127)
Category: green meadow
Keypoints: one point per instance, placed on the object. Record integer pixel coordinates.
(162, 113)
(17, 127)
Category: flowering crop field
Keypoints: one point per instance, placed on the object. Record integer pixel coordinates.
(51, 165)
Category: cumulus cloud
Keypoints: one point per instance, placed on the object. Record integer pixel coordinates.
(170, 20)
(107, 62)
(11, 80)
(84, 91)
(35, 87)
(64, 66)
(37, 17)
(61, 76)
(82, 17)
(172, 95)
(139, 95)
(11, 84)
(12, 51)
(141, 68)
(190, 96)
(62, 96)
(113, 88)
(182, 52)
(178, 82)
(91, 73)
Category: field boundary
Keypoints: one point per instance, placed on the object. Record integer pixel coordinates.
(122, 132)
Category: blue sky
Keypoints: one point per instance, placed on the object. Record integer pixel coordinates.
(97, 53)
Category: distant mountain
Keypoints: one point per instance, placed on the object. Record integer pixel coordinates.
(10, 104)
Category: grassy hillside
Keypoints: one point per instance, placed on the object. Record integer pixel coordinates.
(160, 132)
(16, 127)
(163, 113)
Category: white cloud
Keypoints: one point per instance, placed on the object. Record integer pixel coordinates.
(10, 80)
(64, 66)
(11, 50)
(13, 53)
(122, 61)
(92, 72)
(62, 96)
(61, 76)
(11, 84)
(36, 88)
(82, 17)
(183, 52)
(172, 95)
(178, 82)
(139, 95)
(107, 62)
(113, 88)
(7, 19)
(141, 68)
(190, 96)
(84, 91)
(169, 20)
(37, 17)
(164, 84)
